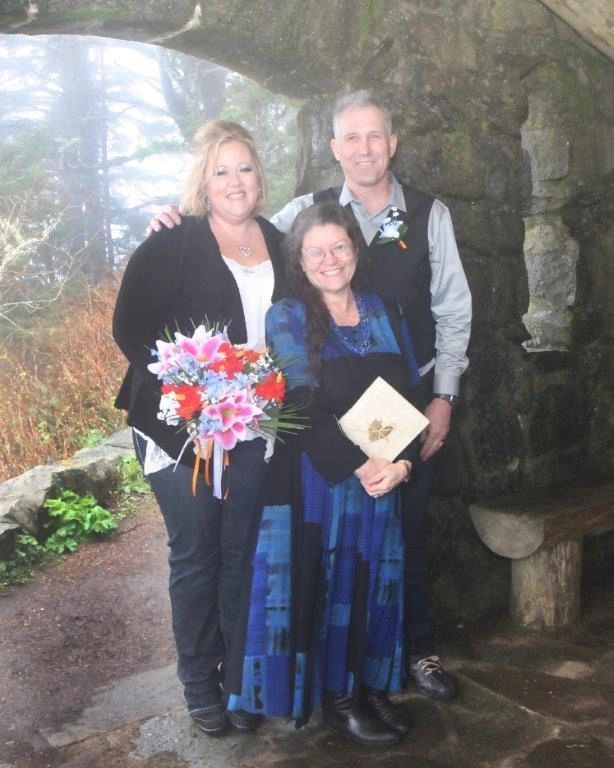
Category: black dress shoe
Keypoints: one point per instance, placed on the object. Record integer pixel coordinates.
(242, 720)
(378, 704)
(344, 716)
(211, 720)
(430, 678)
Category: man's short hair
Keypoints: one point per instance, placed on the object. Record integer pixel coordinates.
(357, 100)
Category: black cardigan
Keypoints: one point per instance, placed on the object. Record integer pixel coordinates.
(175, 280)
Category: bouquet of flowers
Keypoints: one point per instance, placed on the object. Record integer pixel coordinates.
(218, 391)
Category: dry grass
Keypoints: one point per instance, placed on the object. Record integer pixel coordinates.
(58, 382)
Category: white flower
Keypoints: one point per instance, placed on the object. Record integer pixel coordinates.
(390, 230)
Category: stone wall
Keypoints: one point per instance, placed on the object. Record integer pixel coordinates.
(505, 114)
(96, 470)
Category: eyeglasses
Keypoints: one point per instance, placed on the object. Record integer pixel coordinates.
(341, 251)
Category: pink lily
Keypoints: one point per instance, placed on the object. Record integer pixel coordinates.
(233, 413)
(167, 354)
(202, 346)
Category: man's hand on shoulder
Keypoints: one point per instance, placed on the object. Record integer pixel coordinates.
(439, 413)
(168, 216)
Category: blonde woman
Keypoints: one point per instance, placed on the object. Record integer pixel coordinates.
(222, 264)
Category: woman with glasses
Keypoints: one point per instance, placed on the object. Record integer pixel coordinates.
(321, 620)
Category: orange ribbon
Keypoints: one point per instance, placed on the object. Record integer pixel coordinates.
(208, 449)
(195, 473)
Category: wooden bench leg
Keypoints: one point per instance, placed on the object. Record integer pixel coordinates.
(546, 586)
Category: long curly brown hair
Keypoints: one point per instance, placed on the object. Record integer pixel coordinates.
(298, 286)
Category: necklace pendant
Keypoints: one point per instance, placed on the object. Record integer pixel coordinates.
(245, 250)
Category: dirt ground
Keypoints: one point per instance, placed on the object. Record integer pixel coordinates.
(55, 650)
(101, 616)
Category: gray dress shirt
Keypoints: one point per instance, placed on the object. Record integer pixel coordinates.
(450, 295)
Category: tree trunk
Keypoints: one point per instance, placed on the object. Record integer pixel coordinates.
(546, 586)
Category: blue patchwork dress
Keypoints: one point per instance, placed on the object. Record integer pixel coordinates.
(322, 608)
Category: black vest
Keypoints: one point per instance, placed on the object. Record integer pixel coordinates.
(403, 275)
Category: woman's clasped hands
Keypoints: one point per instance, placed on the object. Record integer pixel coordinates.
(379, 476)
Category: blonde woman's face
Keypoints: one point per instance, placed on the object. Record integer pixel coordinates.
(233, 188)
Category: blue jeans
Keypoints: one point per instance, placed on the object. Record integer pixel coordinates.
(208, 539)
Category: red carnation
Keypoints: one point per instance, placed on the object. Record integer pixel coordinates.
(250, 355)
(230, 365)
(273, 387)
(189, 399)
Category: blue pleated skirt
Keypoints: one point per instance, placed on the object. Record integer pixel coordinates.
(348, 549)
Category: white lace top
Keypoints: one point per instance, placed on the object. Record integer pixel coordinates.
(255, 286)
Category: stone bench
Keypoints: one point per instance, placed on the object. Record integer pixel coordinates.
(541, 531)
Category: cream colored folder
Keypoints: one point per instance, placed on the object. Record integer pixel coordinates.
(382, 422)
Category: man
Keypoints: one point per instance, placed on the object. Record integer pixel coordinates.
(411, 256)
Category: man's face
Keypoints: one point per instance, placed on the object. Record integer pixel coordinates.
(363, 146)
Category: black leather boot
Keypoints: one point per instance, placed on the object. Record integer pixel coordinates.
(379, 705)
(346, 717)
(242, 720)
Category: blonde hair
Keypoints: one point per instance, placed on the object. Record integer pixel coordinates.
(207, 142)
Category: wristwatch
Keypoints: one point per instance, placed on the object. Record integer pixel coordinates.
(452, 399)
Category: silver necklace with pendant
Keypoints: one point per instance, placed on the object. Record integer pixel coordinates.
(244, 250)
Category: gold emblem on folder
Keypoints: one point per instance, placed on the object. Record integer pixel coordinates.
(377, 431)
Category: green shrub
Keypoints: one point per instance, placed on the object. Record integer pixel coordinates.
(18, 568)
(74, 519)
(133, 479)
(92, 438)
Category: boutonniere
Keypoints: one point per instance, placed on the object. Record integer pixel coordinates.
(391, 229)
